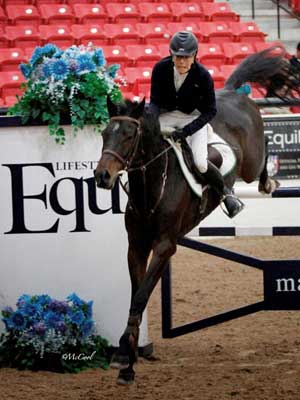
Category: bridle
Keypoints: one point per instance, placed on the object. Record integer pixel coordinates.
(127, 162)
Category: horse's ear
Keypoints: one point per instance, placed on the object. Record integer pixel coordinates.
(138, 110)
(111, 107)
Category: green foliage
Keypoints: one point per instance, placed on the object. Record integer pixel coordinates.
(68, 86)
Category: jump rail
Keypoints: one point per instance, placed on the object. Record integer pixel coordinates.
(281, 278)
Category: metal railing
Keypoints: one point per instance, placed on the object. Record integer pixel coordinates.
(280, 6)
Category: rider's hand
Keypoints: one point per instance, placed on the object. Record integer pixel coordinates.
(179, 134)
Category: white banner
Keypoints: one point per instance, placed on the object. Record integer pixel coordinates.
(59, 234)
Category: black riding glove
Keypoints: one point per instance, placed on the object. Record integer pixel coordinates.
(179, 134)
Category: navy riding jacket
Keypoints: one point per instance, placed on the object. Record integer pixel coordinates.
(196, 93)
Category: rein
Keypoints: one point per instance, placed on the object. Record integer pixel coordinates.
(127, 162)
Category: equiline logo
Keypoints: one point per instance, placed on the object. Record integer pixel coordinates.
(284, 140)
(50, 195)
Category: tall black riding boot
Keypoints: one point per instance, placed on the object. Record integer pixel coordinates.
(214, 178)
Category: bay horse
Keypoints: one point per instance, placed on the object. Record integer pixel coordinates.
(161, 206)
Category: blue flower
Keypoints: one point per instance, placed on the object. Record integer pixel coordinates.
(33, 311)
(61, 307)
(40, 328)
(51, 319)
(99, 57)
(75, 299)
(112, 70)
(89, 309)
(25, 69)
(22, 300)
(59, 69)
(87, 327)
(46, 69)
(61, 326)
(77, 317)
(50, 49)
(37, 55)
(85, 64)
(17, 321)
(43, 299)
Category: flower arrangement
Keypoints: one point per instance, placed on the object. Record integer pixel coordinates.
(45, 333)
(72, 83)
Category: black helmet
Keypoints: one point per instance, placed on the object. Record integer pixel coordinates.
(183, 43)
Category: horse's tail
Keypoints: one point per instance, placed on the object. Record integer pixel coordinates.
(269, 68)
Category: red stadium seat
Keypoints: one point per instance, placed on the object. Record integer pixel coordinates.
(11, 58)
(153, 33)
(4, 41)
(259, 46)
(143, 55)
(39, 2)
(236, 52)
(216, 32)
(187, 12)
(90, 13)
(164, 49)
(122, 12)
(174, 27)
(247, 32)
(89, 33)
(60, 35)
(116, 55)
(9, 101)
(23, 36)
(217, 76)
(55, 14)
(295, 5)
(10, 82)
(218, 12)
(155, 12)
(3, 18)
(23, 14)
(138, 79)
(122, 33)
(211, 54)
(227, 70)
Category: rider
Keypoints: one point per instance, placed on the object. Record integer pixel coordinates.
(183, 96)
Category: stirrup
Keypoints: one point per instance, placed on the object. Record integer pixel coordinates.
(241, 205)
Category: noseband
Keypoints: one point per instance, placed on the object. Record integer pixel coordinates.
(128, 160)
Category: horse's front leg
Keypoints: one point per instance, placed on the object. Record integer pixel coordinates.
(126, 355)
(162, 252)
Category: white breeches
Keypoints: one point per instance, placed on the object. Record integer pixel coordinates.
(197, 142)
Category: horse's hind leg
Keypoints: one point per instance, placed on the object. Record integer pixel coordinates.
(267, 184)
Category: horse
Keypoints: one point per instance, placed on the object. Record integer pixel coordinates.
(161, 206)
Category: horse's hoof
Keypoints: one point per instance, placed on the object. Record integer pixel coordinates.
(125, 378)
(119, 361)
(269, 187)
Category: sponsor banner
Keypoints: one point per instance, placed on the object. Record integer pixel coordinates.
(58, 233)
(284, 146)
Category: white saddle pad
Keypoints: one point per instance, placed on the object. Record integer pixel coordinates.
(229, 159)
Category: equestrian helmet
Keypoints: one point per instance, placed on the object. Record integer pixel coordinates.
(183, 43)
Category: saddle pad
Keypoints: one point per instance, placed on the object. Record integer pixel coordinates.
(229, 159)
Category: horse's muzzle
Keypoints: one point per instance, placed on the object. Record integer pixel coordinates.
(103, 179)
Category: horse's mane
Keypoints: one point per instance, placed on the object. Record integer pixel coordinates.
(150, 122)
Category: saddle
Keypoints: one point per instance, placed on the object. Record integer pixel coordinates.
(220, 153)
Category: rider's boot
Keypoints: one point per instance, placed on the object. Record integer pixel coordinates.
(214, 178)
